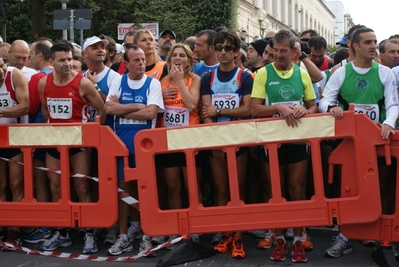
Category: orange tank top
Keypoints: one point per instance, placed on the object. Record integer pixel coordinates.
(176, 113)
(157, 71)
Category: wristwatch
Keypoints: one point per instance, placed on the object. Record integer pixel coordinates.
(304, 55)
(331, 106)
(218, 111)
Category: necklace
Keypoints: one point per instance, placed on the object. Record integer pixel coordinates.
(284, 72)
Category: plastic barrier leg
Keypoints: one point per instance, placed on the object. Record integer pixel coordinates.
(383, 256)
(185, 251)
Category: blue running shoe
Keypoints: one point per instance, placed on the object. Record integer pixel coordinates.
(36, 236)
(56, 241)
(90, 245)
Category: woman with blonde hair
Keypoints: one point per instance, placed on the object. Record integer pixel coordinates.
(155, 67)
(181, 94)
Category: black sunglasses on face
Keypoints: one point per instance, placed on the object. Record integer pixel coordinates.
(226, 48)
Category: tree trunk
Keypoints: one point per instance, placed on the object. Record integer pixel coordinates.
(38, 26)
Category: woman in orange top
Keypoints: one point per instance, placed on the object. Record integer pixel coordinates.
(154, 66)
(181, 94)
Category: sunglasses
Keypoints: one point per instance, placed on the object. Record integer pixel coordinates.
(226, 48)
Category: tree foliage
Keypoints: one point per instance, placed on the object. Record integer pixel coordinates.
(31, 19)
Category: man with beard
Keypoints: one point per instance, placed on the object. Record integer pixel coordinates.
(166, 40)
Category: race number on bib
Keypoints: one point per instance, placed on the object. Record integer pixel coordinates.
(371, 110)
(226, 100)
(287, 103)
(60, 108)
(92, 113)
(131, 121)
(174, 116)
(5, 100)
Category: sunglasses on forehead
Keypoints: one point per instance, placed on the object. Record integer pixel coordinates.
(226, 48)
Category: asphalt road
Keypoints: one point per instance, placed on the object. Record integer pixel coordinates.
(321, 238)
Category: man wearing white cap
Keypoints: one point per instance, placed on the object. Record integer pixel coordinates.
(101, 76)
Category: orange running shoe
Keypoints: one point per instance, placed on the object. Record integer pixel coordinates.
(224, 244)
(307, 244)
(237, 248)
(268, 241)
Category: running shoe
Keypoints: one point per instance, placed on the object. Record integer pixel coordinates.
(259, 233)
(237, 248)
(36, 236)
(112, 235)
(339, 247)
(134, 233)
(90, 244)
(14, 239)
(56, 241)
(224, 244)
(307, 244)
(298, 252)
(216, 238)
(268, 241)
(121, 245)
(146, 245)
(279, 251)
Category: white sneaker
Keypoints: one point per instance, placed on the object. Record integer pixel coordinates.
(339, 247)
(90, 244)
(56, 241)
(120, 246)
(146, 245)
(134, 233)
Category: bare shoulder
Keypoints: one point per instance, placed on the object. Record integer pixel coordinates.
(86, 83)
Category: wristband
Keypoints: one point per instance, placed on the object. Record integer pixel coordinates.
(97, 88)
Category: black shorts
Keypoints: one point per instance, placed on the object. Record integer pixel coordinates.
(177, 160)
(55, 154)
(40, 154)
(9, 153)
(291, 153)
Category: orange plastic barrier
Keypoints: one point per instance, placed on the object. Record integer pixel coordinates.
(357, 155)
(386, 228)
(64, 213)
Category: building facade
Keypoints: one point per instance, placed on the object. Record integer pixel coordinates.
(298, 15)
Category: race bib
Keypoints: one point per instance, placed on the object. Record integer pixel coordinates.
(229, 101)
(287, 103)
(371, 111)
(174, 116)
(60, 108)
(92, 113)
(131, 121)
(5, 100)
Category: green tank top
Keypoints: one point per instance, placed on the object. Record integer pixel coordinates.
(328, 74)
(366, 91)
(285, 91)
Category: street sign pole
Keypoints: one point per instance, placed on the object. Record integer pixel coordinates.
(71, 27)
